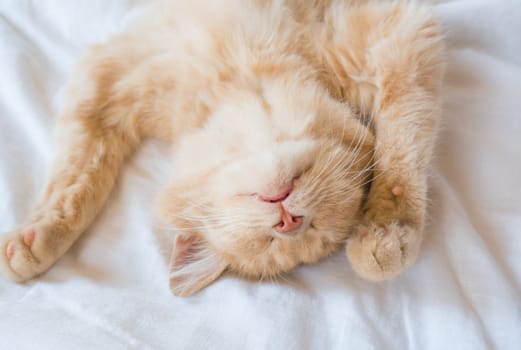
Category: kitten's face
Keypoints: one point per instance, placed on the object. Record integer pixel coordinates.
(265, 195)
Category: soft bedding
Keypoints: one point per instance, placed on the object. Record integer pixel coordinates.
(110, 291)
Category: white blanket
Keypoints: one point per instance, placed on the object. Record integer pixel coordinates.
(110, 291)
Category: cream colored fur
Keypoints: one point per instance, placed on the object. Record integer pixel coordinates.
(329, 95)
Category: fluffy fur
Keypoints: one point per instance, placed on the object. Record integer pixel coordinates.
(337, 99)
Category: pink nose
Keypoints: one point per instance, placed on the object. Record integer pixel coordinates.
(288, 222)
(277, 196)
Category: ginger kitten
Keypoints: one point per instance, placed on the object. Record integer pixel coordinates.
(297, 127)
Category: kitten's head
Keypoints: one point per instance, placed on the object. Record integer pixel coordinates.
(273, 180)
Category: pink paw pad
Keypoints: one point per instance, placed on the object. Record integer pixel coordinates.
(9, 251)
(29, 237)
(397, 190)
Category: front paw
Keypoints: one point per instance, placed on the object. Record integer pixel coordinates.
(381, 252)
(28, 252)
(17, 261)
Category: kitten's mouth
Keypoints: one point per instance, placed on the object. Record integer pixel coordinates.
(303, 224)
(289, 223)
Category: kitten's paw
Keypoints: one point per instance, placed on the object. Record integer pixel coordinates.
(381, 252)
(27, 253)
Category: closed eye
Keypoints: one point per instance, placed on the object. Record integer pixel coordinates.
(253, 194)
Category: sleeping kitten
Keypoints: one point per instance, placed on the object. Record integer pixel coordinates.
(295, 124)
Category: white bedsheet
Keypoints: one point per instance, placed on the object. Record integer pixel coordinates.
(111, 292)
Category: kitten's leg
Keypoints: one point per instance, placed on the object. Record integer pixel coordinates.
(393, 70)
(95, 134)
(79, 185)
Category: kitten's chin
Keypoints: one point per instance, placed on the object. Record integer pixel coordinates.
(289, 235)
(282, 253)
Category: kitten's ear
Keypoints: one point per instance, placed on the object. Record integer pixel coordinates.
(193, 265)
